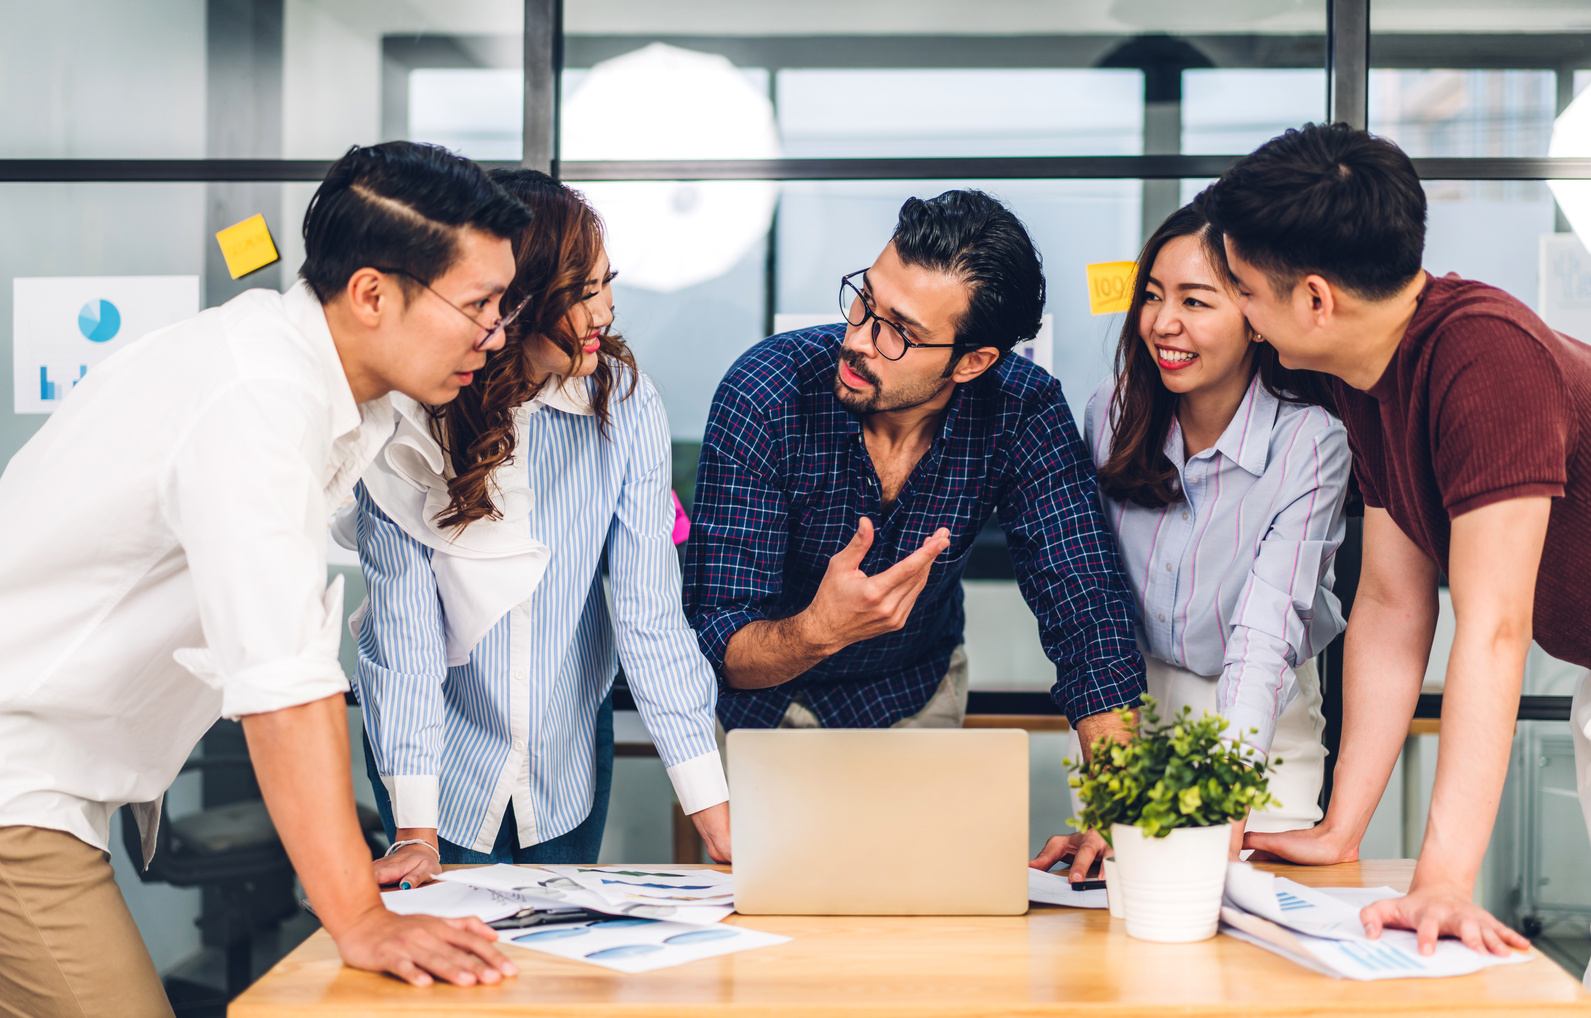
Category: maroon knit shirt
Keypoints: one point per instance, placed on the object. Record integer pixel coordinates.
(1482, 403)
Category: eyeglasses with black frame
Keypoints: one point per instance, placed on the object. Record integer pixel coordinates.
(892, 342)
(492, 331)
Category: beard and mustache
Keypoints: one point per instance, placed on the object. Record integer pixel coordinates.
(879, 400)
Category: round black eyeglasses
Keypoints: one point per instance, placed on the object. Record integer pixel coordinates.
(889, 338)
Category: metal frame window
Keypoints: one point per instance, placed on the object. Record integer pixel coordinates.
(1346, 55)
(1347, 46)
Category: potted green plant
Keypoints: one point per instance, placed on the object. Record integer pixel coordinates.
(1165, 801)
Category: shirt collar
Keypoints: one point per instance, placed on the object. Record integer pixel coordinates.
(304, 310)
(1247, 438)
(571, 395)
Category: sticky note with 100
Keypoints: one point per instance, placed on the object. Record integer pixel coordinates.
(1110, 286)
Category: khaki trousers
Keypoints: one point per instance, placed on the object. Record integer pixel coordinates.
(68, 945)
(947, 708)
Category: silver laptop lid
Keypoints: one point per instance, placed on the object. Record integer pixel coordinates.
(879, 821)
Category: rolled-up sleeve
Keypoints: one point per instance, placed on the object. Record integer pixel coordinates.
(734, 561)
(402, 664)
(253, 529)
(674, 686)
(1286, 613)
(1068, 570)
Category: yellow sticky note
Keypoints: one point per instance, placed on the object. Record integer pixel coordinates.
(247, 246)
(1110, 286)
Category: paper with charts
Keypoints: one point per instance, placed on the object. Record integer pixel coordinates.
(613, 889)
(1319, 928)
(451, 899)
(631, 944)
(657, 892)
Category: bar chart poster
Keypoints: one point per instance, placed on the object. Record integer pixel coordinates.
(64, 325)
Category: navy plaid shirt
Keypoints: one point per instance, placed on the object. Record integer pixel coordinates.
(785, 475)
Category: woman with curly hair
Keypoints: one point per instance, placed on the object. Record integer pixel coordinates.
(488, 647)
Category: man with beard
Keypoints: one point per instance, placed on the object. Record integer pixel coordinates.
(847, 469)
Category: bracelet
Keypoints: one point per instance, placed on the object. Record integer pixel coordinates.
(413, 841)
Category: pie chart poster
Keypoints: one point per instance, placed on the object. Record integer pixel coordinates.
(63, 326)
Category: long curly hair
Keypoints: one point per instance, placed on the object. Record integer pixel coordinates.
(554, 258)
(1138, 469)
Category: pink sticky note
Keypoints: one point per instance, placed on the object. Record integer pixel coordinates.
(682, 523)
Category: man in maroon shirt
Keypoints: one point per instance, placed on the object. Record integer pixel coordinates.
(1470, 423)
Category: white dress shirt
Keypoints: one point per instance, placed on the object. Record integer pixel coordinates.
(164, 562)
(1235, 579)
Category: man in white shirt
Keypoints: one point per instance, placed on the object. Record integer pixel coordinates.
(163, 565)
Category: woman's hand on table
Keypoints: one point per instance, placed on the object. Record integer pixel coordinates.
(420, 949)
(712, 824)
(1084, 849)
(1442, 911)
(411, 865)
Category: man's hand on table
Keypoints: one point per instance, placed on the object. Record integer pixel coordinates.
(301, 761)
(1440, 910)
(712, 824)
(420, 949)
(1084, 849)
(411, 864)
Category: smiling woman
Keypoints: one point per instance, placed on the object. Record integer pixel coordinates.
(1222, 476)
(1184, 310)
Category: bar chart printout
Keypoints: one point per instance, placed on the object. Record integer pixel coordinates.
(63, 326)
(49, 390)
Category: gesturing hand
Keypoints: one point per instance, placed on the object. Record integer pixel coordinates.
(851, 606)
(420, 949)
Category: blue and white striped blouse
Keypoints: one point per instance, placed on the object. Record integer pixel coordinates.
(1236, 580)
(454, 745)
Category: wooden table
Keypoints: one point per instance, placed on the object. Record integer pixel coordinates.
(1052, 961)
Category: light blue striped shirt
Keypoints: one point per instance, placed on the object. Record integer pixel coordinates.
(515, 722)
(1236, 579)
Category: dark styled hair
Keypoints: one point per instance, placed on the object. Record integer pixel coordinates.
(1327, 199)
(1138, 469)
(399, 205)
(554, 259)
(972, 236)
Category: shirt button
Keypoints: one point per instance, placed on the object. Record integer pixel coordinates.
(1184, 515)
(1162, 616)
(1168, 567)
(519, 745)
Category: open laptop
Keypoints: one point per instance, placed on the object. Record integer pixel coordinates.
(879, 821)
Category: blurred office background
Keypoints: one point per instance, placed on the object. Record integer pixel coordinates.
(131, 132)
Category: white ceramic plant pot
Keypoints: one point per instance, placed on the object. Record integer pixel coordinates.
(1171, 886)
(1113, 889)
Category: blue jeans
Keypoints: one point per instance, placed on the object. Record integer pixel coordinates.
(581, 845)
